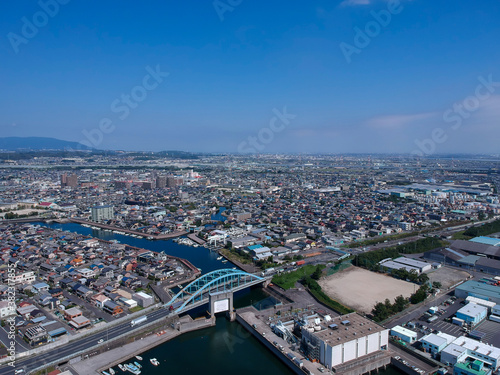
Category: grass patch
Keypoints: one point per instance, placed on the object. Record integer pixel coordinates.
(315, 289)
(236, 256)
(460, 236)
(288, 280)
(45, 371)
(136, 308)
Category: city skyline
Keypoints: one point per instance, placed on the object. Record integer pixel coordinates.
(356, 76)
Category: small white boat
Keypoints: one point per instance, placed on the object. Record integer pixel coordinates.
(138, 357)
(111, 371)
(224, 261)
(219, 258)
(121, 367)
(105, 373)
(154, 361)
(133, 369)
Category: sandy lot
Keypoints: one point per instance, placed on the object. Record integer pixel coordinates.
(447, 276)
(362, 289)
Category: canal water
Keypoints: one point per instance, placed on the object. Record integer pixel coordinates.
(225, 348)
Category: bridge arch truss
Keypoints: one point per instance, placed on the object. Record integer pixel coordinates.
(223, 280)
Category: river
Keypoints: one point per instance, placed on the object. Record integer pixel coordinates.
(225, 348)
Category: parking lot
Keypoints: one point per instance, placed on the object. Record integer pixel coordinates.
(449, 328)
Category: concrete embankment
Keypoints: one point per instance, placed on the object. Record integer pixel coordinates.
(93, 364)
(248, 320)
(130, 231)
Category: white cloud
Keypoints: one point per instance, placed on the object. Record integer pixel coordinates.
(348, 3)
(398, 121)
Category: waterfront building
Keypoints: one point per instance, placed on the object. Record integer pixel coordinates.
(346, 338)
(102, 213)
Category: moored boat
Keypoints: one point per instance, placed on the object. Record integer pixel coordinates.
(138, 357)
(154, 361)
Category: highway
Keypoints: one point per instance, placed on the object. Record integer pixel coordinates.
(86, 343)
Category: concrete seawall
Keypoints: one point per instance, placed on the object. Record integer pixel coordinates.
(269, 345)
(96, 363)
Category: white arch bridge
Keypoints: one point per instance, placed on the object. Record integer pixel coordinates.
(198, 291)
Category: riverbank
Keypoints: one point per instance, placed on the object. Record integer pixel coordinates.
(165, 236)
(95, 364)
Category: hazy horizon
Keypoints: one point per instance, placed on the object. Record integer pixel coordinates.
(354, 76)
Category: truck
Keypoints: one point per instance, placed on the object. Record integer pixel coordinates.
(301, 262)
(458, 321)
(433, 309)
(432, 319)
(267, 271)
(138, 320)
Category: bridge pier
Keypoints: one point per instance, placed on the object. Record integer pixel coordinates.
(220, 302)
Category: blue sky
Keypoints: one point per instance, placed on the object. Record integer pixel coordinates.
(412, 81)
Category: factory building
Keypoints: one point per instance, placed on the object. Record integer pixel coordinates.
(479, 290)
(422, 266)
(464, 349)
(391, 265)
(347, 338)
(472, 313)
(404, 334)
(481, 302)
(434, 343)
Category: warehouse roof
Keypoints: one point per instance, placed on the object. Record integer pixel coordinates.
(357, 328)
(487, 240)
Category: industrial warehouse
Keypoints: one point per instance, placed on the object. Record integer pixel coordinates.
(346, 338)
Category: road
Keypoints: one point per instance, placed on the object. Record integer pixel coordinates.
(82, 344)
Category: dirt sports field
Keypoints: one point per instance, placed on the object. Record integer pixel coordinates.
(362, 289)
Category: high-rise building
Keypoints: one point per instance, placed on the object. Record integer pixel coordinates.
(102, 213)
(173, 181)
(161, 182)
(71, 180)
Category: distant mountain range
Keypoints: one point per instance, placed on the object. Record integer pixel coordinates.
(39, 143)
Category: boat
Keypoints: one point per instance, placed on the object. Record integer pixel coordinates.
(111, 371)
(219, 258)
(224, 261)
(133, 369)
(138, 357)
(138, 365)
(121, 367)
(105, 373)
(154, 361)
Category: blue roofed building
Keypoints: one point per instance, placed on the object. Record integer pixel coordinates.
(487, 240)
(479, 290)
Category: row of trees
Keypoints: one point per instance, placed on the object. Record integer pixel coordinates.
(484, 229)
(371, 259)
(383, 310)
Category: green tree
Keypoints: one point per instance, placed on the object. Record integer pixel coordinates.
(423, 278)
(400, 303)
(317, 273)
